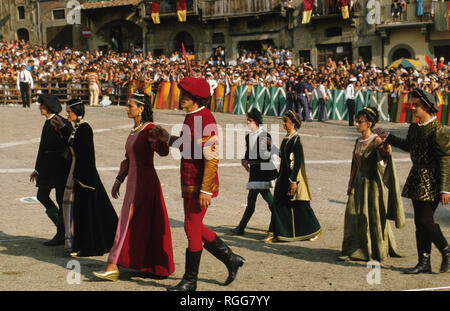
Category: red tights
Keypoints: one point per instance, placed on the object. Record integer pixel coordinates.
(196, 231)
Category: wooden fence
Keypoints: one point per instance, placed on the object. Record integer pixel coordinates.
(9, 94)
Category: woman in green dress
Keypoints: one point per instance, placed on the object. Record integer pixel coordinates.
(293, 218)
(373, 196)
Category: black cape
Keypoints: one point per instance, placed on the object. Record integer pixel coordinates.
(94, 218)
(50, 164)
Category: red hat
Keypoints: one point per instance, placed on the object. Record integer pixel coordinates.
(197, 87)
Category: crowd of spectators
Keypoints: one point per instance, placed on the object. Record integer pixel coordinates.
(270, 67)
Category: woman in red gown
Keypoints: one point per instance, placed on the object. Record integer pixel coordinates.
(143, 239)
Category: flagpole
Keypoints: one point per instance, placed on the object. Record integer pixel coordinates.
(186, 59)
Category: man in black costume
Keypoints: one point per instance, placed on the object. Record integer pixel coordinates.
(51, 167)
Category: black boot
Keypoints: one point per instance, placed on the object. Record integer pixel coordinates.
(424, 265)
(222, 252)
(58, 239)
(189, 281)
(441, 243)
(445, 266)
(240, 229)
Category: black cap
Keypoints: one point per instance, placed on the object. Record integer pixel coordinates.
(256, 115)
(51, 102)
(427, 98)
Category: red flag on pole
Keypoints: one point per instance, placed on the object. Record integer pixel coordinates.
(185, 57)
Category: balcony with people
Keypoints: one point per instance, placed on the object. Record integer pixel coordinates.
(321, 10)
(402, 13)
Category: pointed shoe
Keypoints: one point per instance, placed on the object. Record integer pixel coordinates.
(110, 275)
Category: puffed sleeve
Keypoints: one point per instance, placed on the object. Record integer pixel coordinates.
(297, 150)
(442, 145)
(210, 160)
(160, 147)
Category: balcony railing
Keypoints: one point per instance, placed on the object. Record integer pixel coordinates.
(408, 14)
(236, 8)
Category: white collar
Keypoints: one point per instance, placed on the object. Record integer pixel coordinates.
(428, 122)
(196, 110)
(256, 132)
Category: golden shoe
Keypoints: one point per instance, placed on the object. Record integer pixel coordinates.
(270, 238)
(110, 275)
(316, 237)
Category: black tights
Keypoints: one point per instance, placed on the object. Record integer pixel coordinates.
(427, 231)
(43, 196)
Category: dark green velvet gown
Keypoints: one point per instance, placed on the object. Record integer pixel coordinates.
(375, 199)
(293, 217)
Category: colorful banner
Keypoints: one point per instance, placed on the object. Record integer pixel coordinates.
(228, 104)
(362, 100)
(240, 99)
(162, 96)
(272, 101)
(339, 108)
(174, 95)
(380, 100)
(257, 97)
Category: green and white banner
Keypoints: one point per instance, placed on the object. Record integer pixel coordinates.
(240, 99)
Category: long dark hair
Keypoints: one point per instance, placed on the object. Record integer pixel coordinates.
(77, 107)
(142, 99)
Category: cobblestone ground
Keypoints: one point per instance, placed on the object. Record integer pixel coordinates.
(25, 264)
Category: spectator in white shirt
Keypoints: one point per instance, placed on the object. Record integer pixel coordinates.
(323, 98)
(25, 85)
(350, 100)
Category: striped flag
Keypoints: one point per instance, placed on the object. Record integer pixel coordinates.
(181, 10)
(155, 12)
(344, 9)
(307, 10)
(429, 60)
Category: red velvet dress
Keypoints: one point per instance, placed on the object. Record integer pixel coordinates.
(143, 239)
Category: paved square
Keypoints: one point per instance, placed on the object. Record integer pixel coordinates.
(25, 264)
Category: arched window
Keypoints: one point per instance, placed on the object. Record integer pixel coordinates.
(186, 39)
(22, 33)
(401, 53)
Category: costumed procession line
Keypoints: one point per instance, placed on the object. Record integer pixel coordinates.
(36, 140)
(170, 167)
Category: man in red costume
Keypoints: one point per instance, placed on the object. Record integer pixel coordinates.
(199, 180)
